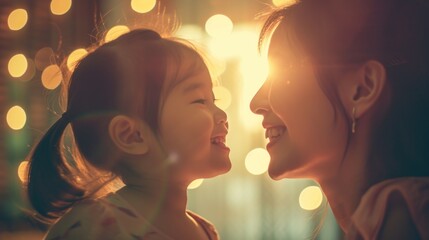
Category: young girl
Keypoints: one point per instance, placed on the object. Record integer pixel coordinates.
(141, 109)
(346, 104)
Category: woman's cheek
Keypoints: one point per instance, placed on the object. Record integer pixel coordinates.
(280, 97)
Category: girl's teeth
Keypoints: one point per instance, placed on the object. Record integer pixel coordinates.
(218, 140)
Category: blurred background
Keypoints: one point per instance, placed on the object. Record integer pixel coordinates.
(243, 204)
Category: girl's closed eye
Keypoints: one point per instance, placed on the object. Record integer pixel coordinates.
(204, 101)
(200, 101)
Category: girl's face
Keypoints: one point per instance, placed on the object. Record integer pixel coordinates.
(193, 128)
(304, 139)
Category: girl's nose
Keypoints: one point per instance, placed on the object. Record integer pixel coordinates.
(221, 117)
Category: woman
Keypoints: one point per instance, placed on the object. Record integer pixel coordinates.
(345, 104)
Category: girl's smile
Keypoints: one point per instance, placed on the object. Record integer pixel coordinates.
(194, 128)
(220, 140)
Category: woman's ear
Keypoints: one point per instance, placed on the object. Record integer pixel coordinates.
(128, 134)
(364, 88)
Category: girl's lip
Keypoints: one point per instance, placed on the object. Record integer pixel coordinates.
(222, 146)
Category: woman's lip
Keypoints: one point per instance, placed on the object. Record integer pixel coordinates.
(272, 143)
(273, 140)
(274, 133)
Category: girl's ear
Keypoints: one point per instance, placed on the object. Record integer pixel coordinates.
(363, 88)
(128, 134)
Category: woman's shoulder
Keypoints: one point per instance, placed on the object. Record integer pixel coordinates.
(391, 201)
(208, 227)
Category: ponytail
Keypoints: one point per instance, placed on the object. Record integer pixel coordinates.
(50, 188)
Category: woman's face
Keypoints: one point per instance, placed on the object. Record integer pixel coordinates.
(304, 138)
(192, 128)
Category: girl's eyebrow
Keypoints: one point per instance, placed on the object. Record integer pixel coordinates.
(193, 86)
(197, 85)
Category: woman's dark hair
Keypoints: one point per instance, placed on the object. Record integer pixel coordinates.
(393, 32)
(129, 75)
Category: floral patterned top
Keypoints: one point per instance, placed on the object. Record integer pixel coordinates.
(112, 217)
(368, 217)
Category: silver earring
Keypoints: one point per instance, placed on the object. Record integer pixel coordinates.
(353, 120)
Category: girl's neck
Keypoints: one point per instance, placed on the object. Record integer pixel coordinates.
(164, 197)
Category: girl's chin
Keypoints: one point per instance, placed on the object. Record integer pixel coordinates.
(222, 170)
(216, 171)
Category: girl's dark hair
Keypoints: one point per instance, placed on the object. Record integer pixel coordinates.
(129, 75)
(393, 32)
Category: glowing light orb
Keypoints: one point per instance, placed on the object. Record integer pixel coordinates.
(257, 161)
(143, 6)
(196, 183)
(115, 32)
(223, 97)
(60, 7)
(23, 171)
(74, 57)
(219, 25)
(17, 19)
(17, 65)
(51, 77)
(310, 198)
(16, 117)
(283, 3)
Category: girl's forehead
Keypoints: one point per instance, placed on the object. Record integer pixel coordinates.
(183, 68)
(185, 64)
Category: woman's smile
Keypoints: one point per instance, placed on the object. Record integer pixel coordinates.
(273, 134)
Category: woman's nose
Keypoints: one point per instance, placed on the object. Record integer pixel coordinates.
(260, 103)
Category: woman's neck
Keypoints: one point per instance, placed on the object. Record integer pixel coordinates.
(343, 194)
(345, 189)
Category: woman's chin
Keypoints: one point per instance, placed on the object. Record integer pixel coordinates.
(275, 173)
(280, 168)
